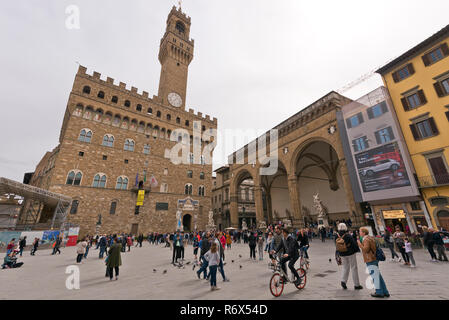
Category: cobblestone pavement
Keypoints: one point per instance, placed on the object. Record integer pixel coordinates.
(43, 277)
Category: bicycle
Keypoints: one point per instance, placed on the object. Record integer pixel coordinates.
(279, 279)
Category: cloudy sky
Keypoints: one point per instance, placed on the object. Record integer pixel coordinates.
(256, 62)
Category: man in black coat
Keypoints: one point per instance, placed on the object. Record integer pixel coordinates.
(290, 247)
(252, 241)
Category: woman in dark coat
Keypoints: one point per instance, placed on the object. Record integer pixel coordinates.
(114, 259)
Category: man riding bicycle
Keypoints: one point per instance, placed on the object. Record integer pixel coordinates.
(290, 247)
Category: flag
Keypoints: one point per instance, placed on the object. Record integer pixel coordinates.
(153, 181)
(144, 176)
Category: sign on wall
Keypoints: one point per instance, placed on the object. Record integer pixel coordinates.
(393, 214)
(140, 198)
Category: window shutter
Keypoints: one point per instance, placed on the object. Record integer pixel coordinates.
(359, 115)
(395, 76)
(426, 60)
(348, 123)
(354, 146)
(439, 89)
(422, 97)
(410, 68)
(445, 49)
(433, 126)
(405, 104)
(390, 133)
(377, 137)
(383, 105)
(414, 132)
(365, 140)
(370, 113)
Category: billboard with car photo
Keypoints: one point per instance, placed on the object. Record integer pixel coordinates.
(381, 168)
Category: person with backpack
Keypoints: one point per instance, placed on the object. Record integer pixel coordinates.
(369, 250)
(346, 249)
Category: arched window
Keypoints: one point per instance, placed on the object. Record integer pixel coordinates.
(168, 117)
(150, 111)
(202, 175)
(86, 90)
(180, 27)
(129, 145)
(191, 158)
(201, 191)
(122, 183)
(189, 174)
(188, 189)
(158, 114)
(178, 120)
(168, 134)
(114, 99)
(99, 181)
(100, 94)
(74, 178)
(187, 123)
(139, 107)
(146, 149)
(108, 140)
(85, 135)
(127, 103)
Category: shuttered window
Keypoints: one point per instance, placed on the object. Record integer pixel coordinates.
(436, 55)
(354, 121)
(424, 129)
(403, 73)
(360, 144)
(377, 110)
(442, 87)
(384, 135)
(414, 100)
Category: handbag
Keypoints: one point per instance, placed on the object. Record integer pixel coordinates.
(380, 256)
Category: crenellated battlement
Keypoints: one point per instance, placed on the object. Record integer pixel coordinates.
(133, 91)
(178, 12)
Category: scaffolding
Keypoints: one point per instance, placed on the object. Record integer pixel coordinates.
(35, 199)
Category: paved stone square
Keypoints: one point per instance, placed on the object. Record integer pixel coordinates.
(43, 277)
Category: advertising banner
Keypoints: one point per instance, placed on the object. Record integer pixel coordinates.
(7, 236)
(382, 168)
(50, 236)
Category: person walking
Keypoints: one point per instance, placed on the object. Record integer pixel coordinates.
(260, 242)
(129, 242)
(213, 257)
(176, 247)
(429, 242)
(409, 251)
(204, 245)
(228, 241)
(323, 234)
(368, 247)
(35, 246)
(303, 240)
(439, 243)
(252, 242)
(58, 242)
(22, 244)
(388, 239)
(347, 248)
(102, 244)
(88, 245)
(114, 259)
(10, 246)
(80, 250)
(195, 245)
(399, 237)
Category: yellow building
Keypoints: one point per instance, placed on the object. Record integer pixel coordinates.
(418, 83)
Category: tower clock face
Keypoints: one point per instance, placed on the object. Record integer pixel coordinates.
(175, 99)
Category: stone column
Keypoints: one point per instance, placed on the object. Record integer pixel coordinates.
(426, 214)
(258, 201)
(409, 220)
(234, 210)
(295, 203)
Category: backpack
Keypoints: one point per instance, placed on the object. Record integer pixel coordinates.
(341, 244)
(380, 256)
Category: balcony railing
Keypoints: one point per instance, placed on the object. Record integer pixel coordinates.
(434, 180)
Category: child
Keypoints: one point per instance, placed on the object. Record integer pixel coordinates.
(409, 252)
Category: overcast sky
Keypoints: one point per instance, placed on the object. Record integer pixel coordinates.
(256, 62)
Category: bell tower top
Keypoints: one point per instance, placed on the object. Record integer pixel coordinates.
(175, 55)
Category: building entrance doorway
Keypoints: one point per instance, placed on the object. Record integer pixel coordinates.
(134, 228)
(187, 222)
(443, 218)
(390, 224)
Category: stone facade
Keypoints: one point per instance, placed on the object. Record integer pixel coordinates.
(103, 119)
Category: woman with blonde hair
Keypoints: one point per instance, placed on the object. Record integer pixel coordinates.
(214, 260)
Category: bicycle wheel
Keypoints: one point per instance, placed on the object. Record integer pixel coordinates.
(303, 276)
(306, 264)
(276, 285)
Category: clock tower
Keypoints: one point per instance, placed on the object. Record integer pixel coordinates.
(175, 55)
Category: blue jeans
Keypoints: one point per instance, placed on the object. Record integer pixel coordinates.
(87, 251)
(379, 283)
(204, 267)
(213, 275)
(102, 251)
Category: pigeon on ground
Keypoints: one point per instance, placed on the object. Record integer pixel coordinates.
(240, 255)
(330, 260)
(241, 267)
(164, 272)
(154, 270)
(188, 262)
(232, 261)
